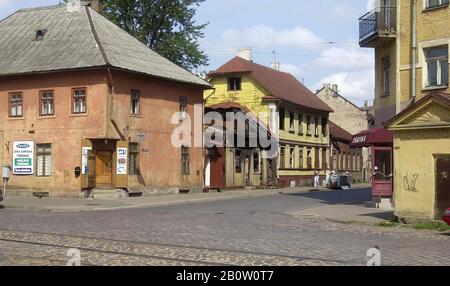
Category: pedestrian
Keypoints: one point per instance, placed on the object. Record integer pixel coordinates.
(316, 179)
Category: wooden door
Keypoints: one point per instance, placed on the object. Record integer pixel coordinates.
(217, 165)
(383, 177)
(104, 166)
(442, 186)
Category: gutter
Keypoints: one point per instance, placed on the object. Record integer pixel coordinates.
(414, 52)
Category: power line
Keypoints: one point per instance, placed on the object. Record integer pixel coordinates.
(282, 45)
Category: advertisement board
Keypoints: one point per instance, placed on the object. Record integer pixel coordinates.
(23, 158)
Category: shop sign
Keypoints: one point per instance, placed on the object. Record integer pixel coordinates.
(122, 161)
(23, 158)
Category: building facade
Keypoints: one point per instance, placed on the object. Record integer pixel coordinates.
(293, 114)
(344, 158)
(88, 107)
(351, 118)
(411, 41)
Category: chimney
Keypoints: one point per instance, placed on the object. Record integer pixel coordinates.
(335, 88)
(96, 5)
(366, 104)
(246, 54)
(73, 6)
(327, 86)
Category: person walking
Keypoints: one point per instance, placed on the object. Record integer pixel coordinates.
(316, 179)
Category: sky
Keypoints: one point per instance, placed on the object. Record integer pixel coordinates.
(316, 41)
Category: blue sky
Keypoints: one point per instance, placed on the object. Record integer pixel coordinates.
(299, 32)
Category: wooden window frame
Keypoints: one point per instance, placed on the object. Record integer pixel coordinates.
(41, 94)
(10, 104)
(235, 87)
(135, 95)
(132, 152)
(44, 153)
(185, 161)
(73, 101)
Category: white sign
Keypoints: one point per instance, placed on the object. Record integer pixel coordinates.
(85, 160)
(23, 158)
(122, 161)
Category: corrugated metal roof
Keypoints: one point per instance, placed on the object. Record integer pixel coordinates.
(73, 41)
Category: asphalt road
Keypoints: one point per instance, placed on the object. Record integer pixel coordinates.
(253, 231)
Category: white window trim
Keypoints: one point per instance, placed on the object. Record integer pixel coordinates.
(422, 57)
(426, 7)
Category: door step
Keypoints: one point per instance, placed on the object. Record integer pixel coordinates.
(109, 194)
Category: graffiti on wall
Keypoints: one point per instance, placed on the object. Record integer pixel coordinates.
(409, 183)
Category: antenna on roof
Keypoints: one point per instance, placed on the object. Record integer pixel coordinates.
(276, 63)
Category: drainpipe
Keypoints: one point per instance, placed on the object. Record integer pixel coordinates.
(414, 51)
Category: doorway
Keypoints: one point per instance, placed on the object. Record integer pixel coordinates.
(442, 185)
(104, 168)
(383, 179)
(248, 172)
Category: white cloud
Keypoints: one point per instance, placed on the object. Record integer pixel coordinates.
(292, 69)
(345, 57)
(371, 5)
(263, 35)
(356, 87)
(4, 3)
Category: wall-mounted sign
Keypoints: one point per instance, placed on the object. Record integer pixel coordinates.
(85, 160)
(360, 139)
(23, 158)
(122, 161)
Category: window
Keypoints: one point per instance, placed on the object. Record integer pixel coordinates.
(282, 118)
(324, 127)
(238, 162)
(386, 67)
(234, 84)
(309, 159)
(256, 163)
(44, 160)
(317, 159)
(300, 124)
(437, 66)
(16, 105)
(308, 125)
(79, 101)
(300, 159)
(133, 160)
(282, 157)
(316, 126)
(292, 157)
(183, 107)
(185, 164)
(291, 122)
(135, 97)
(47, 106)
(435, 3)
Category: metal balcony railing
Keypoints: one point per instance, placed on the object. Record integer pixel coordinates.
(381, 21)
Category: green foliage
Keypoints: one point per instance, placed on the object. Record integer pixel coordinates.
(435, 225)
(166, 26)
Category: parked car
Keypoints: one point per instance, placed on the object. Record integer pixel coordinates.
(446, 216)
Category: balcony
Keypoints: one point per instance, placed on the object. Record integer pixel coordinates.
(378, 27)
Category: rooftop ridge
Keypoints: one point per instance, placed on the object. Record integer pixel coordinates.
(43, 8)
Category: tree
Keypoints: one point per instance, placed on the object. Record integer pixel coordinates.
(166, 26)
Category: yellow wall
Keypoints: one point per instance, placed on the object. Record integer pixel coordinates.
(415, 155)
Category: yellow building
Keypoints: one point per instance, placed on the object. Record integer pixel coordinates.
(293, 114)
(411, 40)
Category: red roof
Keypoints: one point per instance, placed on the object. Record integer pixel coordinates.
(375, 137)
(280, 84)
(340, 133)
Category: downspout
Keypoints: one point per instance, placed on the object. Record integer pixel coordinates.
(414, 52)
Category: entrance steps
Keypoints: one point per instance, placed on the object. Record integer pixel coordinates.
(103, 194)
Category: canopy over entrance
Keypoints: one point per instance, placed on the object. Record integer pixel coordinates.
(373, 137)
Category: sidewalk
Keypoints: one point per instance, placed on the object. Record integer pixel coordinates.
(76, 205)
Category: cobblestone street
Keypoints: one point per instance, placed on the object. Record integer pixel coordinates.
(249, 231)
